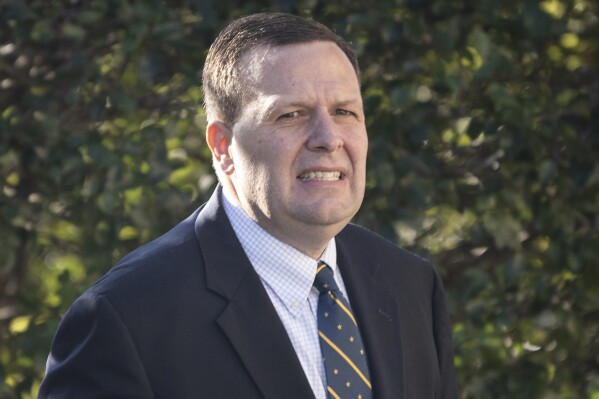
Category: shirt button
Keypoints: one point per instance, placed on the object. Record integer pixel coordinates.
(294, 305)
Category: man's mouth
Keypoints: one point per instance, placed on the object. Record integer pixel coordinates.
(327, 176)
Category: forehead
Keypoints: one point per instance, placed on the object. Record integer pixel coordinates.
(280, 69)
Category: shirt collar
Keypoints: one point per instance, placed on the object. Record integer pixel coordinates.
(288, 272)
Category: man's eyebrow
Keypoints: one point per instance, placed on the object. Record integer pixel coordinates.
(281, 103)
(277, 104)
(271, 108)
(351, 101)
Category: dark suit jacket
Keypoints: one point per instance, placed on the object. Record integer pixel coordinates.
(186, 316)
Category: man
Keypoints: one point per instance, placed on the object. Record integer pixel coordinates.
(223, 305)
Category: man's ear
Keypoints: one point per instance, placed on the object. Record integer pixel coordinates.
(218, 137)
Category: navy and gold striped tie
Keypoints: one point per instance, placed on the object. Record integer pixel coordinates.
(340, 341)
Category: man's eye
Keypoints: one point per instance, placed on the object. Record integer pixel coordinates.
(290, 115)
(343, 112)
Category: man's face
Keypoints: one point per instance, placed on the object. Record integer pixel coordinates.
(299, 147)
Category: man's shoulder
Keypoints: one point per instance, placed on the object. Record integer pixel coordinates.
(354, 231)
(168, 257)
(364, 237)
(358, 239)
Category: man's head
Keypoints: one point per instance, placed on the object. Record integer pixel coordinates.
(222, 81)
(294, 157)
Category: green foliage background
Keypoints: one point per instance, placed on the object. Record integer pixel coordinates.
(484, 157)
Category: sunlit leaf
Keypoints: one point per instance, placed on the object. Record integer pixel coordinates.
(19, 324)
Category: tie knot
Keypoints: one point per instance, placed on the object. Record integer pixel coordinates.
(325, 280)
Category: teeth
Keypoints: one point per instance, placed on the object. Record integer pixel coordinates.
(321, 176)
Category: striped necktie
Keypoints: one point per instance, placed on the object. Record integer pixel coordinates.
(340, 341)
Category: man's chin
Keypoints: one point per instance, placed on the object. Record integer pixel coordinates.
(328, 217)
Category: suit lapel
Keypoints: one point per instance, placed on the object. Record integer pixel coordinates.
(249, 321)
(378, 318)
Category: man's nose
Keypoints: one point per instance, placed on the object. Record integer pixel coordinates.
(324, 133)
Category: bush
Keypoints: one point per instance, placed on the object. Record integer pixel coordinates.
(484, 140)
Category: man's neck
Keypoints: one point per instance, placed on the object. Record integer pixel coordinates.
(313, 244)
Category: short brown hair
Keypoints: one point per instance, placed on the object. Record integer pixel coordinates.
(224, 92)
